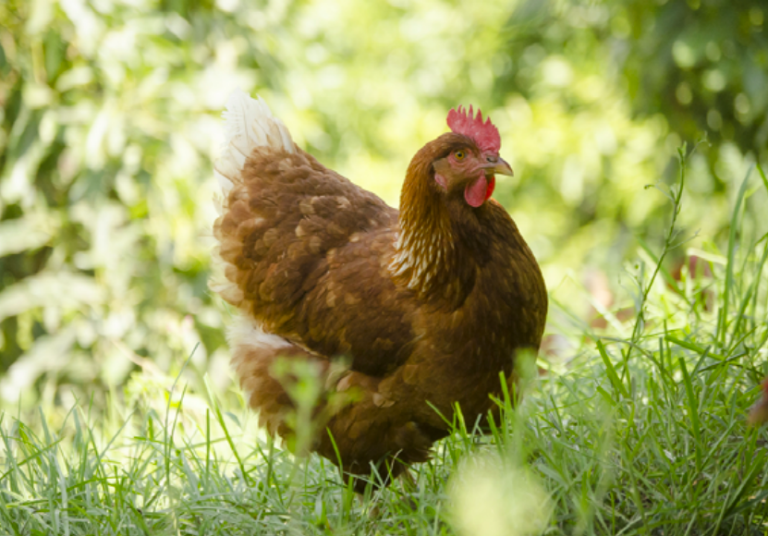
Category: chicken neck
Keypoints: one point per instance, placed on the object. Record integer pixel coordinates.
(429, 243)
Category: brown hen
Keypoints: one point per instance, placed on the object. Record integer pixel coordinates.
(428, 306)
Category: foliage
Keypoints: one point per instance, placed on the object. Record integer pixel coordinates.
(109, 122)
(703, 65)
(600, 96)
(105, 155)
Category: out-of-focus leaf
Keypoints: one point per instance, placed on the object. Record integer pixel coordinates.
(49, 353)
(63, 290)
(24, 234)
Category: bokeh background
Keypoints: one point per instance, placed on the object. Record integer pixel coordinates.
(110, 121)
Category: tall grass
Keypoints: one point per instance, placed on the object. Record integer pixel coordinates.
(641, 430)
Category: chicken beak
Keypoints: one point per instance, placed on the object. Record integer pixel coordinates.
(502, 168)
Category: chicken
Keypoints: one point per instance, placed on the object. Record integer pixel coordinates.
(427, 306)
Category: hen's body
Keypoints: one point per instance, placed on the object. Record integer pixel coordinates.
(428, 306)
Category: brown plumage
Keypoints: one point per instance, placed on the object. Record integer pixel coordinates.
(427, 305)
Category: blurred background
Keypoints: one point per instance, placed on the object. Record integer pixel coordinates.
(110, 120)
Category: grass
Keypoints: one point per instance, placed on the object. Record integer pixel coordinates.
(641, 430)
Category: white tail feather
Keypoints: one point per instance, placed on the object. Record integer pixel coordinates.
(249, 124)
(249, 332)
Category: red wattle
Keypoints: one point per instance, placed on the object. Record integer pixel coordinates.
(474, 192)
(478, 192)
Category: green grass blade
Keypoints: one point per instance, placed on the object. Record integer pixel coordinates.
(693, 413)
(732, 245)
(617, 384)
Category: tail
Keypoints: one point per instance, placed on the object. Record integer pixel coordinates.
(249, 124)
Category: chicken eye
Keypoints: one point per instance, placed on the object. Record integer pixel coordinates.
(459, 155)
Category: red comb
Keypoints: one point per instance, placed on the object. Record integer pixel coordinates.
(485, 134)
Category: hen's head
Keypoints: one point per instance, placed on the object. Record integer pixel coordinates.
(467, 158)
(443, 203)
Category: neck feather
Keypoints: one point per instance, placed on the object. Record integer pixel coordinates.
(425, 252)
